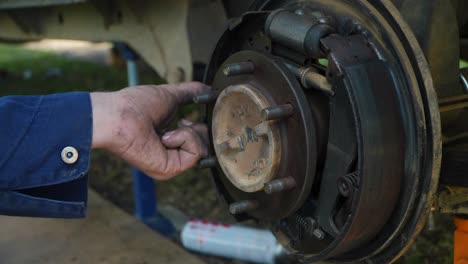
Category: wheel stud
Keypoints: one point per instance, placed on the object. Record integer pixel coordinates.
(207, 163)
(232, 145)
(277, 112)
(243, 206)
(205, 98)
(239, 68)
(261, 129)
(279, 185)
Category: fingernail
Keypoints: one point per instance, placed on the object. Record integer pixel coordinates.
(186, 122)
(168, 135)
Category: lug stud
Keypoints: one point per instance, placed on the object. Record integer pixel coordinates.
(239, 68)
(209, 162)
(205, 98)
(243, 206)
(232, 145)
(261, 129)
(279, 185)
(277, 112)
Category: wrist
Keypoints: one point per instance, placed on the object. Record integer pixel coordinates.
(105, 118)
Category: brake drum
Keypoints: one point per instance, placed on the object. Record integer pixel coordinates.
(325, 127)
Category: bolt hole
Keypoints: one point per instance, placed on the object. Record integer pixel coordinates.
(267, 48)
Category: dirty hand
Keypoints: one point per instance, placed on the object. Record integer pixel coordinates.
(127, 122)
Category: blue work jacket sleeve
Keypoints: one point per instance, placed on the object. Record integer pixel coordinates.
(36, 178)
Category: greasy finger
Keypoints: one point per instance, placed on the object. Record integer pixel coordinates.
(200, 128)
(185, 149)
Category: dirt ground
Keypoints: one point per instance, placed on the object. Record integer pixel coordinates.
(26, 71)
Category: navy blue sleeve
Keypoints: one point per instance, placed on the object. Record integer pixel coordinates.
(35, 180)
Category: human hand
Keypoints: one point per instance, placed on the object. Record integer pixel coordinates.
(127, 122)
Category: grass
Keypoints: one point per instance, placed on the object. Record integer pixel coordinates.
(463, 64)
(75, 75)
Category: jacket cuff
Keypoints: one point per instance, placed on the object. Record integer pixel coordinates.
(46, 157)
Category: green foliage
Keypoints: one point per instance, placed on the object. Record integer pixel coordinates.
(463, 64)
(434, 246)
(323, 62)
(75, 75)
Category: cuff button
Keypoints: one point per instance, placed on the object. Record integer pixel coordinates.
(69, 155)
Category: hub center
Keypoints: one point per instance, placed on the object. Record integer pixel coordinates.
(247, 146)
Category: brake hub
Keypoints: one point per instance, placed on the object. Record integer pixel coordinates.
(260, 113)
(340, 158)
(248, 149)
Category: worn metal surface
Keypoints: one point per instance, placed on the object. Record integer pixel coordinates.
(247, 159)
(297, 141)
(107, 235)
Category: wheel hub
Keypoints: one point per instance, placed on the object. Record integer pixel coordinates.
(260, 112)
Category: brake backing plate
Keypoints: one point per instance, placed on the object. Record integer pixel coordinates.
(325, 127)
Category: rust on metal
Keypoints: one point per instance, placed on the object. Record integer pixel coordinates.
(248, 159)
